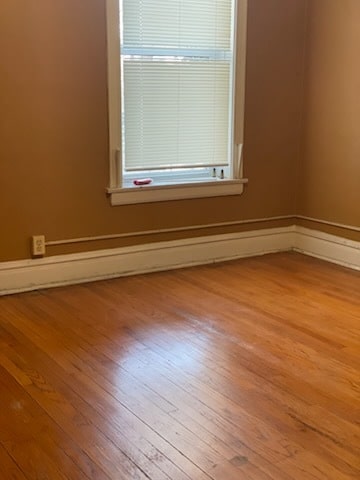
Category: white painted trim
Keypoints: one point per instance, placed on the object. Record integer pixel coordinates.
(59, 270)
(240, 71)
(328, 247)
(114, 97)
(328, 222)
(119, 195)
(187, 228)
(25, 275)
(126, 196)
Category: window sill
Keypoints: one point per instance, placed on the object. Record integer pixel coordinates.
(162, 193)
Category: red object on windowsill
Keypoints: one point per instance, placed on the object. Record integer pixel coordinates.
(142, 181)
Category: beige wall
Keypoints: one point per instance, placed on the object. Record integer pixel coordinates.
(329, 174)
(53, 127)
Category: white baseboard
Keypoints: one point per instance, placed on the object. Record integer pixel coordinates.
(59, 270)
(25, 275)
(328, 247)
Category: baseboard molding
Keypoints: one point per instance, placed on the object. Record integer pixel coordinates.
(60, 270)
(327, 247)
(25, 275)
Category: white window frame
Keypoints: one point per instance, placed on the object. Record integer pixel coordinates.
(121, 190)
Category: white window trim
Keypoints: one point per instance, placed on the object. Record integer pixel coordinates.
(121, 195)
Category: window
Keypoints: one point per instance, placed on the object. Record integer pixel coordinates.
(172, 71)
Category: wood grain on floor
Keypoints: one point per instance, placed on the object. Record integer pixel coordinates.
(242, 370)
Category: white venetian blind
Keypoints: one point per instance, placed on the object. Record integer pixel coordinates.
(177, 65)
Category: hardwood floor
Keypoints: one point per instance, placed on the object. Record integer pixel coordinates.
(244, 370)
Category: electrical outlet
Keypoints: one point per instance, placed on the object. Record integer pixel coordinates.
(38, 245)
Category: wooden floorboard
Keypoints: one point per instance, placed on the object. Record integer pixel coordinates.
(247, 370)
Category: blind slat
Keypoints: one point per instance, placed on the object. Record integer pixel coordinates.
(177, 23)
